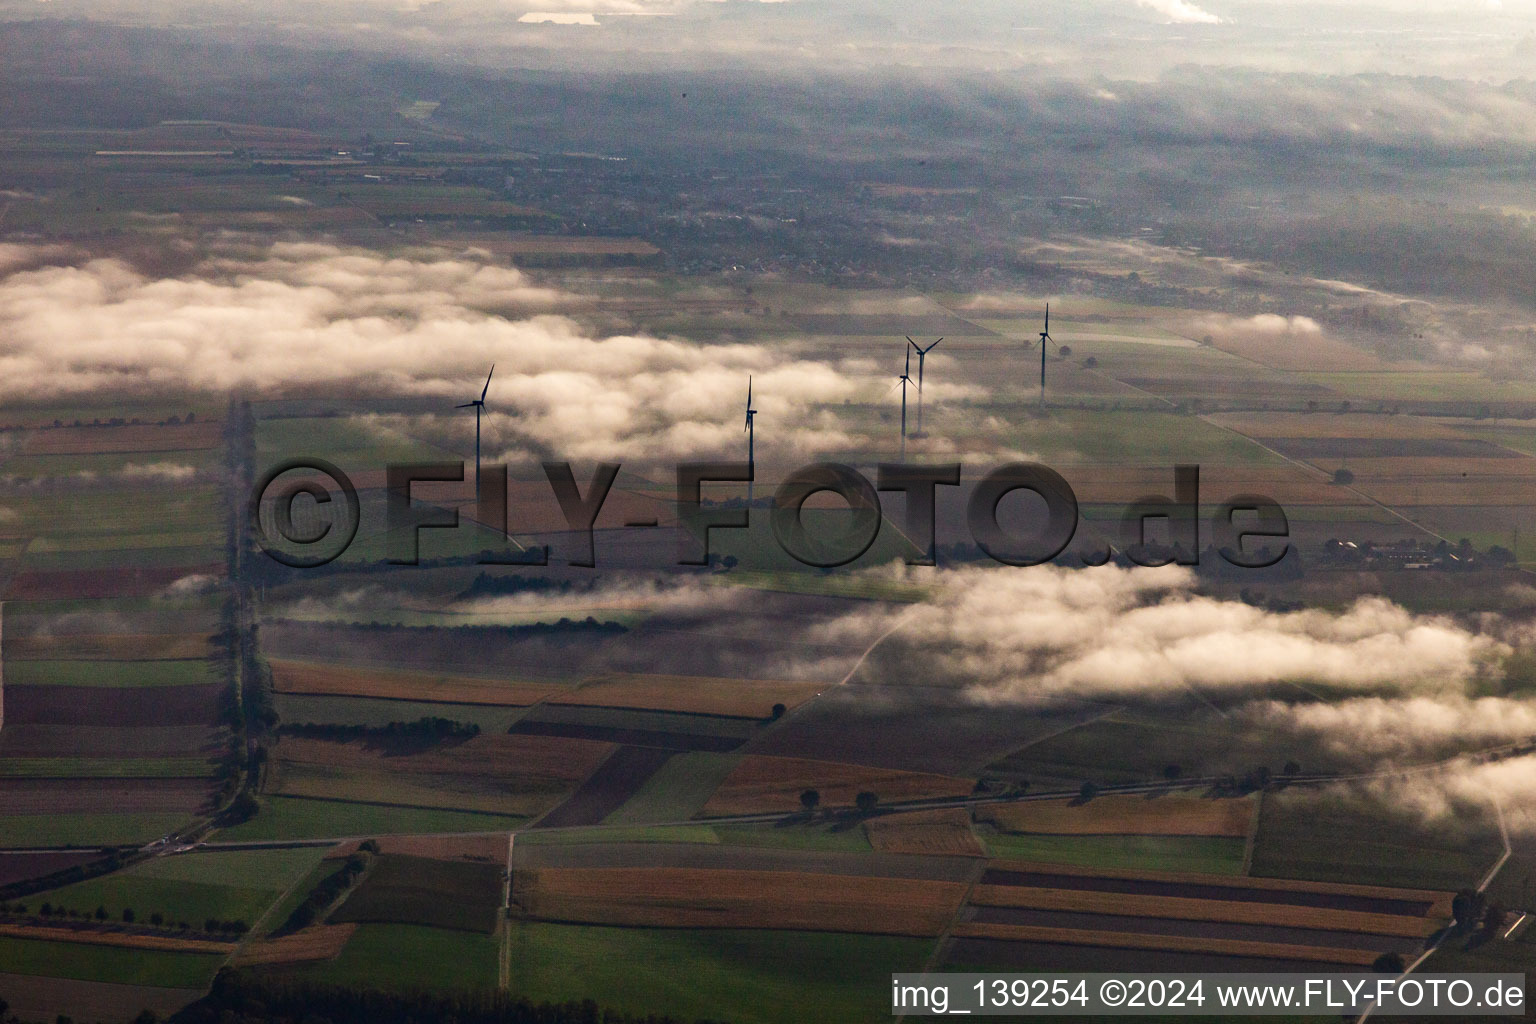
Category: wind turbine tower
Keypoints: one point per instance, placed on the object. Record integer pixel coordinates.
(478, 405)
(922, 355)
(1045, 338)
(751, 440)
(904, 380)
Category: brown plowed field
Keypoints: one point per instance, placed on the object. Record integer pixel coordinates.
(943, 832)
(108, 647)
(18, 867)
(98, 796)
(105, 581)
(1175, 907)
(113, 707)
(695, 898)
(1182, 943)
(321, 942)
(762, 784)
(700, 695)
(1124, 815)
(1294, 892)
(346, 681)
(150, 438)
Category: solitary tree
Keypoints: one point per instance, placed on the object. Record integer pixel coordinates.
(101, 913)
(1343, 477)
(157, 919)
(1467, 907)
(1173, 772)
(866, 801)
(1087, 791)
(809, 799)
(778, 712)
(1388, 963)
(128, 915)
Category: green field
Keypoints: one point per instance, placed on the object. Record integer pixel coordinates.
(746, 977)
(87, 829)
(1200, 854)
(411, 957)
(108, 963)
(192, 902)
(296, 818)
(798, 836)
(418, 890)
(263, 869)
(678, 790)
(112, 673)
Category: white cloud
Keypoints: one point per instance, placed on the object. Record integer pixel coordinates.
(1180, 12)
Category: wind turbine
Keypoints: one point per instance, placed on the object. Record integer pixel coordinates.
(904, 380)
(1045, 337)
(751, 440)
(478, 405)
(922, 355)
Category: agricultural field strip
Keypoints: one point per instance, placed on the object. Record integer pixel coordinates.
(1176, 943)
(102, 937)
(1437, 902)
(1187, 909)
(703, 897)
(1223, 888)
(317, 942)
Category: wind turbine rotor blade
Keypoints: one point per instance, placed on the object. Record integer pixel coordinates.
(487, 387)
(467, 405)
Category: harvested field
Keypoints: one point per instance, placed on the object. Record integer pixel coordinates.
(402, 889)
(1124, 815)
(103, 581)
(314, 678)
(944, 832)
(1309, 448)
(654, 738)
(481, 794)
(108, 647)
(110, 937)
(99, 796)
(148, 438)
(1299, 353)
(1179, 908)
(761, 784)
(615, 781)
(699, 695)
(1177, 943)
(491, 847)
(320, 942)
(128, 707)
(694, 898)
(525, 758)
(858, 324)
(1367, 899)
(1332, 425)
(35, 997)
